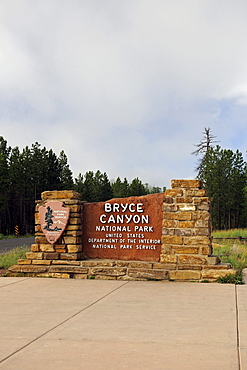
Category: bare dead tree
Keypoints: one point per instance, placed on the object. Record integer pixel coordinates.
(203, 148)
(206, 143)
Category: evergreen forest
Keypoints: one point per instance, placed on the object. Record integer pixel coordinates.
(224, 175)
(25, 174)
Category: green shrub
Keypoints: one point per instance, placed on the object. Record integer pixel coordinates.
(11, 258)
(231, 251)
(231, 279)
(235, 254)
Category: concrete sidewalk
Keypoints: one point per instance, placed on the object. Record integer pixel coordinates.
(104, 324)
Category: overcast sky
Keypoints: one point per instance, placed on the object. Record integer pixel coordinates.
(124, 86)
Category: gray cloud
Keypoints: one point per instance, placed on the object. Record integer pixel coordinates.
(123, 86)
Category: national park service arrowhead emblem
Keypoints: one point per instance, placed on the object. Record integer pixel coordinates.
(53, 220)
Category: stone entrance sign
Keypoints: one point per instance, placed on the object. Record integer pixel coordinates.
(53, 220)
(124, 228)
(157, 236)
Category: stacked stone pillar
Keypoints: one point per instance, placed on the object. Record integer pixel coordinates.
(186, 234)
(69, 245)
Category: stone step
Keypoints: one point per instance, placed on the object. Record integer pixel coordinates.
(120, 270)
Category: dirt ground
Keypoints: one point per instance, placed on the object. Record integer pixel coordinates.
(3, 272)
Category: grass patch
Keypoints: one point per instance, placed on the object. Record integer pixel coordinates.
(11, 258)
(232, 233)
(231, 251)
(12, 236)
(231, 279)
(7, 236)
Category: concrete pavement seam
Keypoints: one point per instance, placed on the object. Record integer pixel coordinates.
(15, 282)
(237, 326)
(61, 323)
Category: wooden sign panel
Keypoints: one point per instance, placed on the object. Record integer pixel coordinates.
(124, 228)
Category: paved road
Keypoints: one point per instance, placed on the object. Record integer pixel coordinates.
(8, 244)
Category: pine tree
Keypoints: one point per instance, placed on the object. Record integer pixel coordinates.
(120, 189)
(53, 178)
(79, 185)
(155, 189)
(90, 191)
(4, 185)
(23, 176)
(66, 179)
(224, 175)
(125, 188)
(106, 189)
(137, 188)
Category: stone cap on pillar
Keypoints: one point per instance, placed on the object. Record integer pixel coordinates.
(60, 194)
(187, 184)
